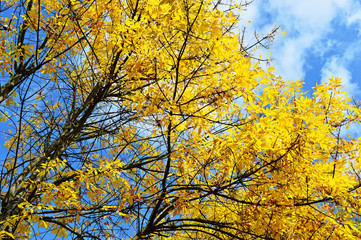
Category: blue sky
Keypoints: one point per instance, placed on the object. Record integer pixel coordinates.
(323, 39)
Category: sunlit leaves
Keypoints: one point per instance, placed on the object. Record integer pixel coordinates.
(136, 119)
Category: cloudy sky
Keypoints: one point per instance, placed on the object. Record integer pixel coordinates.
(323, 39)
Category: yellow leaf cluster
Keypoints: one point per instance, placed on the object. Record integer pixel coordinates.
(169, 130)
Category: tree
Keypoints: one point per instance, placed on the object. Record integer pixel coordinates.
(148, 120)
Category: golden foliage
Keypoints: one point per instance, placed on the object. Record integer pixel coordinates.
(147, 119)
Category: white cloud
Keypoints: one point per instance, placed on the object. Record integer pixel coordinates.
(320, 48)
(250, 12)
(336, 67)
(309, 22)
(354, 18)
(289, 59)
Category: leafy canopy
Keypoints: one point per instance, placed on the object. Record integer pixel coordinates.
(148, 120)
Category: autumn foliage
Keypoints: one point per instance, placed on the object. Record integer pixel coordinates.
(137, 119)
